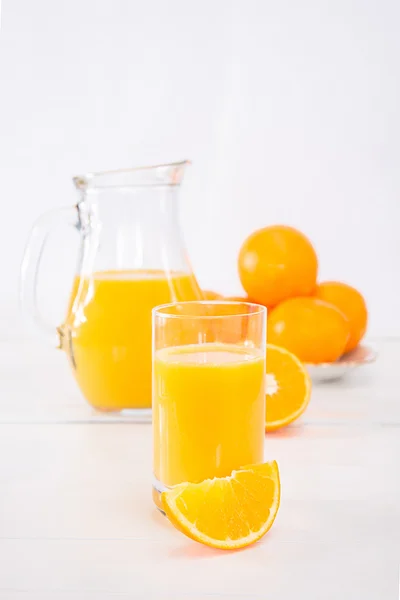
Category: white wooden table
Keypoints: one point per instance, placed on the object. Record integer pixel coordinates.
(77, 521)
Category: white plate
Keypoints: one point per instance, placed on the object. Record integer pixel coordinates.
(362, 355)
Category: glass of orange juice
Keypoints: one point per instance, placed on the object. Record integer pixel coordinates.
(208, 390)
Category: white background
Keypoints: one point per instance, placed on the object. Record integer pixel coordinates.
(289, 111)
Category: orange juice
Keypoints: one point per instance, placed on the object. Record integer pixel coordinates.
(107, 333)
(208, 411)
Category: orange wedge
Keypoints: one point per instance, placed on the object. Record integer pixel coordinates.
(288, 388)
(226, 512)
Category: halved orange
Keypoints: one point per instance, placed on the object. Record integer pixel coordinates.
(226, 512)
(288, 388)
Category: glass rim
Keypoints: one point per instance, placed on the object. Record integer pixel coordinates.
(159, 310)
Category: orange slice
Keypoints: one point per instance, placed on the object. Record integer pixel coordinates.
(288, 388)
(210, 295)
(236, 299)
(226, 512)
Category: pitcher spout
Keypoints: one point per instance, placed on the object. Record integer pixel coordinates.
(170, 174)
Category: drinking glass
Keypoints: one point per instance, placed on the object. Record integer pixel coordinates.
(208, 390)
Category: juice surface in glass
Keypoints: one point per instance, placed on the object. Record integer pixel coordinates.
(208, 411)
(107, 332)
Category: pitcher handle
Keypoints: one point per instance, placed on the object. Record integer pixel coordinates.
(45, 224)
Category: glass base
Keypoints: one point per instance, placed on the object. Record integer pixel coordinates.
(131, 415)
(158, 488)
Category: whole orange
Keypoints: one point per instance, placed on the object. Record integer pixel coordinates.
(276, 263)
(312, 329)
(351, 303)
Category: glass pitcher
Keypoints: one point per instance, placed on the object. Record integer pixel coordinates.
(131, 259)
